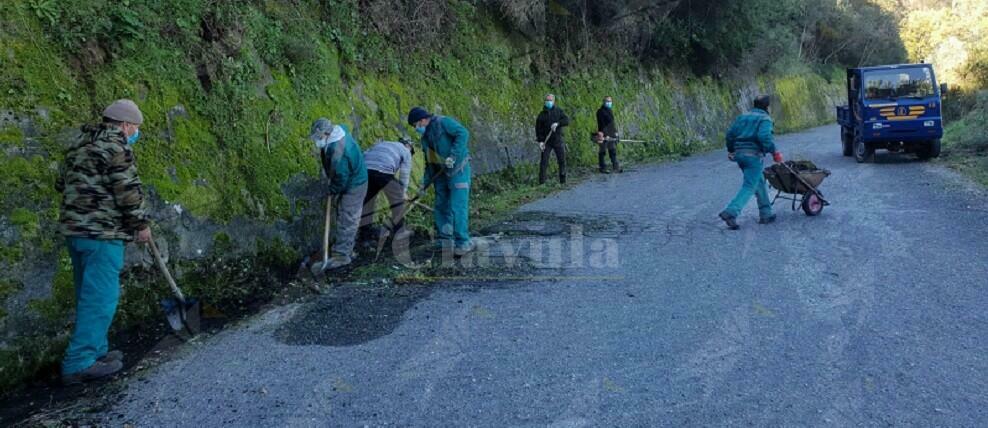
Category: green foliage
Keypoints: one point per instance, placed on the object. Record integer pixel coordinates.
(712, 37)
(229, 89)
(952, 37)
(26, 221)
(966, 141)
(45, 10)
(28, 355)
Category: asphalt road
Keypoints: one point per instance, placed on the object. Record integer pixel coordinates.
(871, 314)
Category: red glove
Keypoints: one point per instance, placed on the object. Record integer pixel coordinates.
(777, 157)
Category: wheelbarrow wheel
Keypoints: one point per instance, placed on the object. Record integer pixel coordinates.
(812, 204)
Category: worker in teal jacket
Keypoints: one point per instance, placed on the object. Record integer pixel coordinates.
(748, 140)
(444, 144)
(343, 164)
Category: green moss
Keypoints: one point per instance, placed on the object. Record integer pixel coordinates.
(277, 254)
(803, 100)
(222, 243)
(8, 288)
(248, 96)
(26, 356)
(26, 221)
(56, 308)
(10, 254)
(11, 136)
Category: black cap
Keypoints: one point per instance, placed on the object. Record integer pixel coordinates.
(417, 114)
(762, 102)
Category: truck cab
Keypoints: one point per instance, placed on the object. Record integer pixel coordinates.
(892, 107)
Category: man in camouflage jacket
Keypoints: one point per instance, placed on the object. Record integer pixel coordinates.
(102, 208)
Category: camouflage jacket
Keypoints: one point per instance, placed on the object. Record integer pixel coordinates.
(102, 196)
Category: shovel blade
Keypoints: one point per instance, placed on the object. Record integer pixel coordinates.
(185, 317)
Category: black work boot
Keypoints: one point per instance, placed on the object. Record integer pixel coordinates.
(99, 369)
(767, 220)
(729, 219)
(604, 171)
(111, 356)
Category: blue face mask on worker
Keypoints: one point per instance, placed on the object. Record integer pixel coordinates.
(134, 137)
(420, 130)
(608, 104)
(549, 104)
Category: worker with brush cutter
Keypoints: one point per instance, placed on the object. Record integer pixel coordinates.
(748, 140)
(343, 164)
(607, 136)
(389, 168)
(102, 208)
(549, 133)
(447, 166)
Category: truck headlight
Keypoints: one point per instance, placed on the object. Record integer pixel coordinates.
(929, 124)
(877, 126)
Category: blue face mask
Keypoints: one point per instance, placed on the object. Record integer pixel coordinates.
(608, 104)
(549, 104)
(420, 130)
(134, 137)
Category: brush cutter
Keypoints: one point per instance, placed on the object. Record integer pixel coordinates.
(597, 140)
(183, 314)
(413, 202)
(546, 141)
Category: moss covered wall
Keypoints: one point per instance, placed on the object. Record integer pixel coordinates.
(229, 90)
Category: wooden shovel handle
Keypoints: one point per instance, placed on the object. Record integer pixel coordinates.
(165, 272)
(325, 236)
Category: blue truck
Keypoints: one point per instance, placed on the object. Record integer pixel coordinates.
(892, 107)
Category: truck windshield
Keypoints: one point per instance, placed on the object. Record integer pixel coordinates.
(905, 83)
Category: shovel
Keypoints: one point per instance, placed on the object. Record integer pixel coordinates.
(318, 268)
(182, 314)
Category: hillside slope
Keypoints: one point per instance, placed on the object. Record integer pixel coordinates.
(229, 90)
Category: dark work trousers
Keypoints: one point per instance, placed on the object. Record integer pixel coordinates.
(560, 150)
(376, 182)
(610, 147)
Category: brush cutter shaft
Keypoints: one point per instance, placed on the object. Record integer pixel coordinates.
(543, 143)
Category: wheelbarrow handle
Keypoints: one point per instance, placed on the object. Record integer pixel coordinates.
(164, 271)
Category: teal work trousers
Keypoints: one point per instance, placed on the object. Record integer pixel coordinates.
(96, 266)
(753, 185)
(452, 208)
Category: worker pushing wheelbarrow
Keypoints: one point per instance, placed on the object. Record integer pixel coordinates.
(799, 180)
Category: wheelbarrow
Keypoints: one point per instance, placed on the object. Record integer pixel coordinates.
(797, 181)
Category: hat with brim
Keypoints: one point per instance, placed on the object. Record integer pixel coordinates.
(124, 110)
(320, 129)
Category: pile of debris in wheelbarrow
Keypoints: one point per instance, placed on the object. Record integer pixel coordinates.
(800, 179)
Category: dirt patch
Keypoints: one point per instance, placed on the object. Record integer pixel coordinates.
(353, 313)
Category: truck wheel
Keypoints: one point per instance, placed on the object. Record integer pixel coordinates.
(863, 152)
(845, 140)
(930, 150)
(812, 205)
(935, 148)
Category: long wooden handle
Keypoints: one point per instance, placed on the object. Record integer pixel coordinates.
(325, 236)
(424, 206)
(165, 272)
